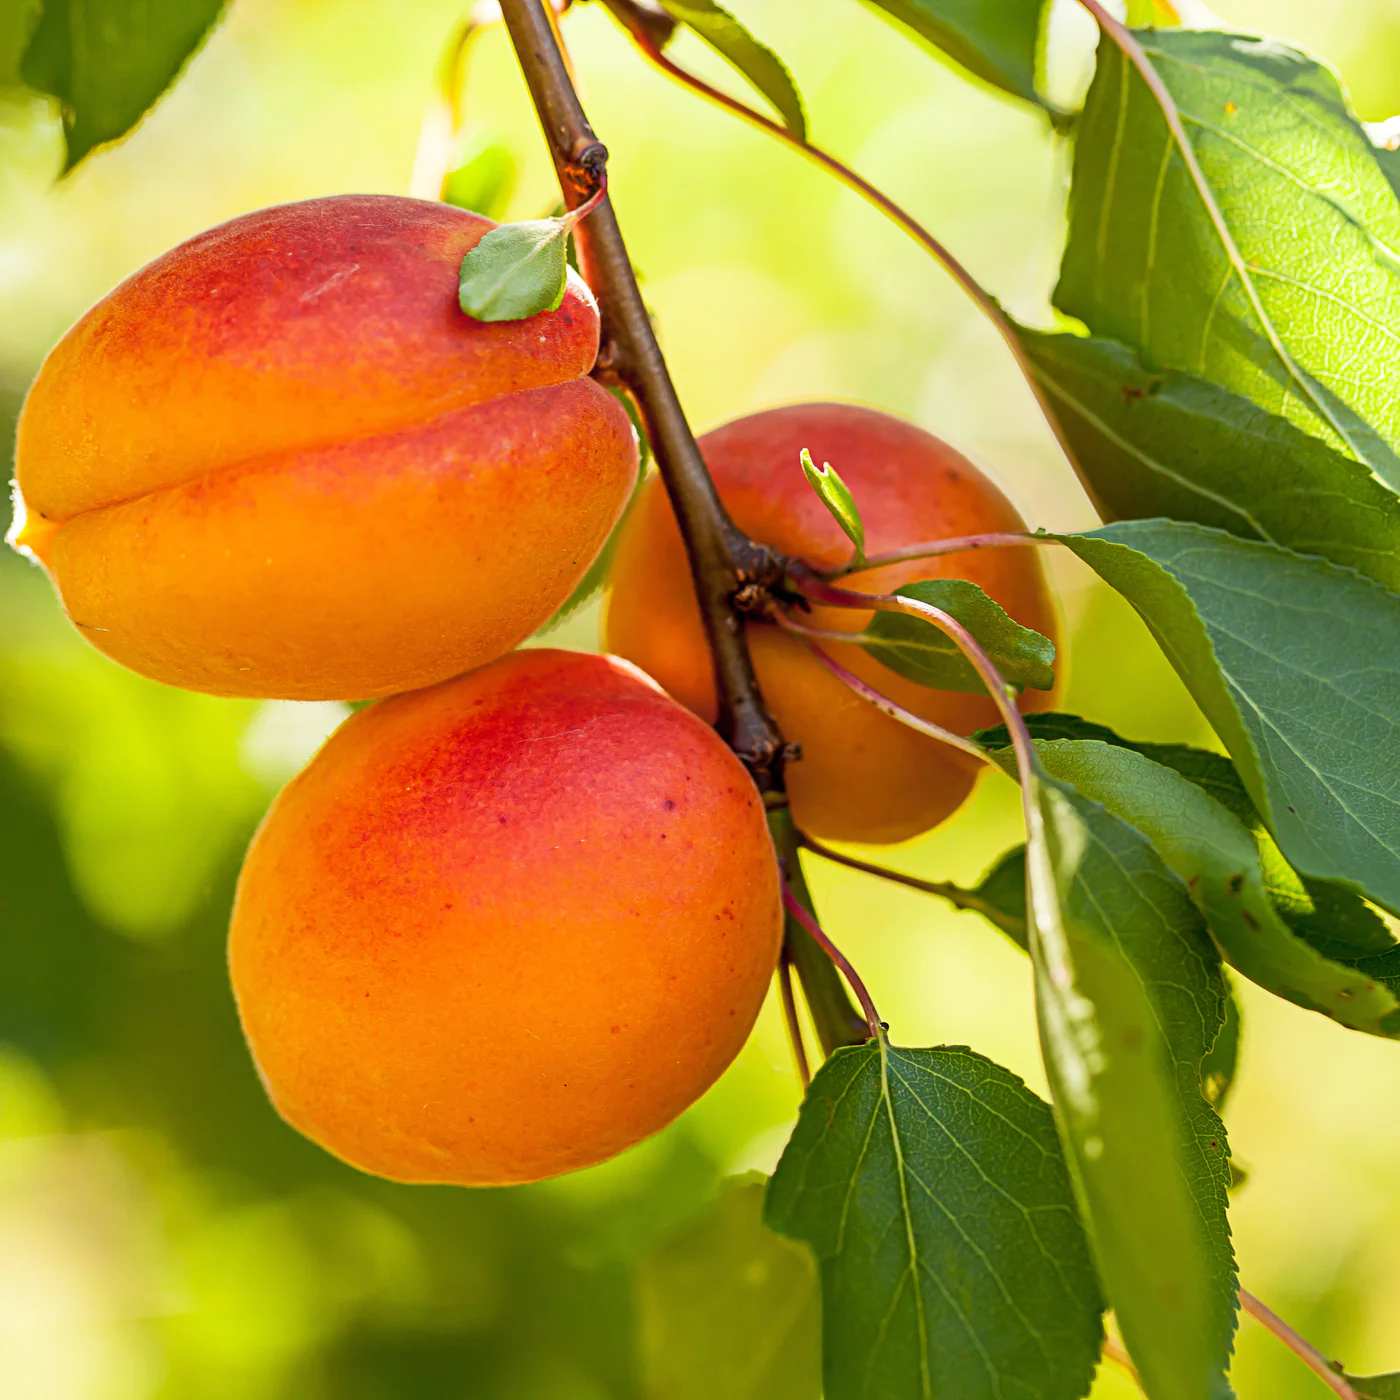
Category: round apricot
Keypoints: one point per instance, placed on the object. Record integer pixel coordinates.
(505, 927)
(862, 776)
(281, 461)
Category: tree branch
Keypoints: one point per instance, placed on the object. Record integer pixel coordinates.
(725, 563)
(727, 566)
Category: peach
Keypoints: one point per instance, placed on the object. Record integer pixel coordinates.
(505, 927)
(862, 776)
(281, 461)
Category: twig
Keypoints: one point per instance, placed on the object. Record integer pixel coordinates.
(956, 895)
(1028, 770)
(722, 558)
(627, 13)
(794, 1025)
(1301, 1348)
(810, 585)
(874, 697)
(930, 549)
(804, 917)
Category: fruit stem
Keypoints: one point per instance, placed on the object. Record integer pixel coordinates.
(1302, 1349)
(724, 561)
(837, 1022)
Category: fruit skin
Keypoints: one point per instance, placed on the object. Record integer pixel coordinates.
(862, 776)
(281, 461)
(506, 927)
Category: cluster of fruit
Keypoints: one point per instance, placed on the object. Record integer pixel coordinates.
(522, 914)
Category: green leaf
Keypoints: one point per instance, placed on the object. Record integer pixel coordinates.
(922, 652)
(934, 1193)
(1377, 1387)
(108, 61)
(1296, 663)
(1388, 158)
(757, 62)
(999, 43)
(1166, 443)
(483, 182)
(836, 496)
(517, 270)
(1000, 897)
(17, 21)
(1215, 855)
(1131, 1001)
(1298, 314)
(727, 1307)
(1334, 920)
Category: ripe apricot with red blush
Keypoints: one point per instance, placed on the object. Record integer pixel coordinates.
(862, 776)
(506, 927)
(281, 461)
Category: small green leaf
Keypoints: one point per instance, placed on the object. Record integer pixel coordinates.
(1159, 442)
(1377, 1387)
(729, 1308)
(516, 271)
(108, 61)
(999, 43)
(922, 652)
(1131, 1001)
(757, 62)
(1000, 896)
(483, 182)
(1296, 663)
(954, 1266)
(836, 496)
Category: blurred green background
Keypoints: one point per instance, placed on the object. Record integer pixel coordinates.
(162, 1235)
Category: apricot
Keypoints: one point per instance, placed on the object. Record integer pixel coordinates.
(861, 776)
(505, 927)
(281, 461)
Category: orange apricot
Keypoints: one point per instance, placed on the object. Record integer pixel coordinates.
(862, 776)
(506, 927)
(281, 461)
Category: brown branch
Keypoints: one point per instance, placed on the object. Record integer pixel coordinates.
(722, 559)
(724, 562)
